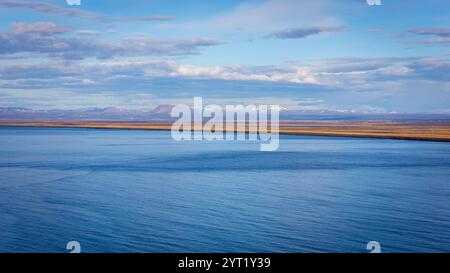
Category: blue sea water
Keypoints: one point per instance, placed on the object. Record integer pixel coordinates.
(140, 191)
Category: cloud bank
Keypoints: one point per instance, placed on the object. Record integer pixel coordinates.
(45, 38)
(297, 33)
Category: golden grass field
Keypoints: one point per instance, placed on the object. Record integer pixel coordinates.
(423, 130)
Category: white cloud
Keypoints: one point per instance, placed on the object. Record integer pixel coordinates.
(43, 38)
(273, 14)
(296, 75)
(348, 73)
(88, 82)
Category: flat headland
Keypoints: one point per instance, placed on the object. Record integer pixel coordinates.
(406, 130)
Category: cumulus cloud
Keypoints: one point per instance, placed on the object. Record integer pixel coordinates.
(40, 28)
(47, 8)
(139, 18)
(441, 32)
(237, 73)
(438, 35)
(43, 38)
(73, 71)
(393, 82)
(56, 10)
(297, 33)
(353, 73)
(436, 40)
(88, 32)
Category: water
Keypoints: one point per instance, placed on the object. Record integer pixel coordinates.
(139, 191)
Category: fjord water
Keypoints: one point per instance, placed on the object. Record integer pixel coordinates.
(140, 191)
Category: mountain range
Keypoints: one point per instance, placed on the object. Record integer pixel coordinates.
(162, 113)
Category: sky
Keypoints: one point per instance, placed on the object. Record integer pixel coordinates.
(306, 55)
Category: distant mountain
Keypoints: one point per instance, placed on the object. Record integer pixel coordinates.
(108, 113)
(163, 109)
(162, 113)
(329, 115)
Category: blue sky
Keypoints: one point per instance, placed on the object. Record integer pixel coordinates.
(311, 55)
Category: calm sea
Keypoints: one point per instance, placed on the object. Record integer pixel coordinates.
(139, 191)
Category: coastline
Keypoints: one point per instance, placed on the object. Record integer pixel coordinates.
(399, 130)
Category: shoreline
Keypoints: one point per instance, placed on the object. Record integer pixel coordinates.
(437, 131)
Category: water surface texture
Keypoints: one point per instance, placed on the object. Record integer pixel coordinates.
(139, 191)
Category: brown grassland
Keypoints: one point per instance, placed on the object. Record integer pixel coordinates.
(422, 130)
